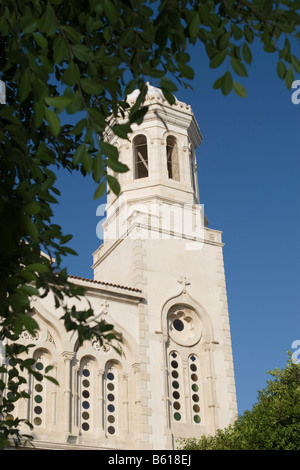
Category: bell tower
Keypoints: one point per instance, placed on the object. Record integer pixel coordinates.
(156, 239)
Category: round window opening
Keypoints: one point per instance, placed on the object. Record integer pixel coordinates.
(178, 325)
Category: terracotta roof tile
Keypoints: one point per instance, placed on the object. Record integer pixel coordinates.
(134, 289)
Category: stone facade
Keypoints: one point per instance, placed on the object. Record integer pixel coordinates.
(159, 279)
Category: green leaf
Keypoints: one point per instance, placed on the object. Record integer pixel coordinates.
(289, 78)
(100, 190)
(113, 184)
(30, 228)
(238, 67)
(98, 167)
(81, 52)
(38, 267)
(47, 23)
(186, 71)
(110, 11)
(281, 69)
(29, 290)
(53, 121)
(295, 63)
(194, 25)
(109, 150)
(32, 208)
(138, 115)
(91, 87)
(30, 324)
(239, 89)
(218, 83)
(40, 40)
(25, 85)
(167, 85)
(117, 166)
(227, 83)
(79, 154)
(247, 54)
(71, 74)
(121, 130)
(169, 97)
(60, 49)
(218, 59)
(51, 379)
(58, 101)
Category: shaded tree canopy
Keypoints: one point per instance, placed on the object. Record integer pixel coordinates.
(272, 424)
(62, 58)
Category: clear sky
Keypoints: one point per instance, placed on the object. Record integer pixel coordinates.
(249, 179)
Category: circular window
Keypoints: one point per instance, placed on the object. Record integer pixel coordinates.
(85, 426)
(85, 383)
(193, 367)
(38, 410)
(111, 408)
(86, 372)
(37, 421)
(85, 394)
(178, 325)
(111, 430)
(39, 366)
(184, 325)
(174, 364)
(195, 397)
(177, 416)
(110, 397)
(110, 386)
(175, 374)
(195, 388)
(110, 376)
(10, 407)
(111, 419)
(38, 399)
(85, 405)
(194, 377)
(175, 384)
(197, 419)
(85, 415)
(176, 395)
(176, 405)
(38, 388)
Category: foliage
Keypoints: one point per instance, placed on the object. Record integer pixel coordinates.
(83, 58)
(272, 424)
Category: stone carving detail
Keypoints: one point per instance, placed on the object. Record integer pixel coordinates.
(50, 339)
(28, 337)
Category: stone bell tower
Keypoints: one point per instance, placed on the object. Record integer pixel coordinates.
(155, 238)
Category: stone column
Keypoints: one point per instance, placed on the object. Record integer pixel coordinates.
(68, 356)
(101, 404)
(125, 402)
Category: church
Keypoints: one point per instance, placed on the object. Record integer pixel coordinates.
(159, 279)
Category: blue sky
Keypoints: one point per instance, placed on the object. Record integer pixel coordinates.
(249, 179)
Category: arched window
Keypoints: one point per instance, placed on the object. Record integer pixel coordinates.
(39, 391)
(140, 150)
(111, 399)
(87, 411)
(172, 158)
(176, 387)
(184, 369)
(194, 388)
